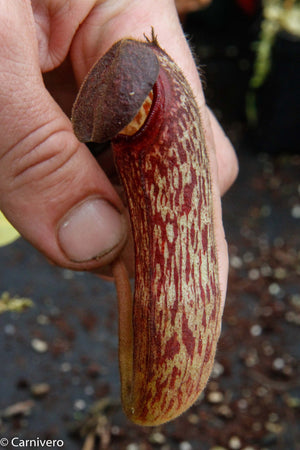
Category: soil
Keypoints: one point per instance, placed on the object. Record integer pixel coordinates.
(59, 359)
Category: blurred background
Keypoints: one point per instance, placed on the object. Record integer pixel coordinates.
(59, 345)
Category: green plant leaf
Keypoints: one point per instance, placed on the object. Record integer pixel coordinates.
(8, 233)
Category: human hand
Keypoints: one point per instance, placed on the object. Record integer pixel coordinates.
(51, 188)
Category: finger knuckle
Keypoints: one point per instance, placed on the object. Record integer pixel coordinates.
(38, 158)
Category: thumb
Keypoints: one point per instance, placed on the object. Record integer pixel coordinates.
(51, 188)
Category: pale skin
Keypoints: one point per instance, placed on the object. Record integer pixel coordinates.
(46, 175)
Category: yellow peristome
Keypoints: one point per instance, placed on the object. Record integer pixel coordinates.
(140, 118)
(8, 233)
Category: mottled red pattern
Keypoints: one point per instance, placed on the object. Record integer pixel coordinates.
(176, 310)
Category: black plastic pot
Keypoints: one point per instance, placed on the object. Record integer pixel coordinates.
(278, 100)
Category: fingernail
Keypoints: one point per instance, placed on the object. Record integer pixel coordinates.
(91, 230)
